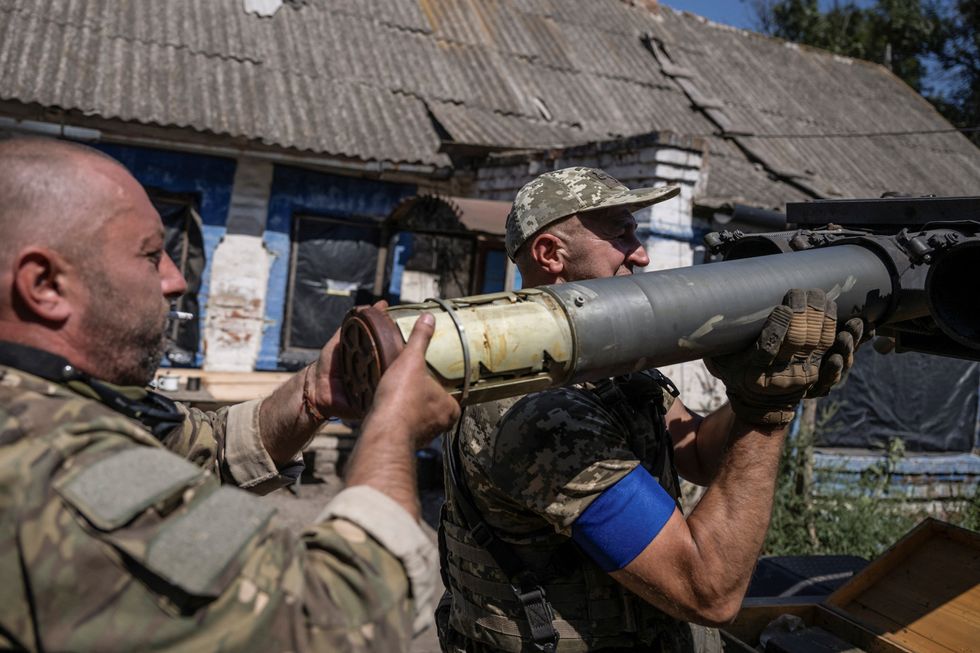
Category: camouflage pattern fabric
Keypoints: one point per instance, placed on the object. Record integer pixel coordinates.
(533, 465)
(559, 194)
(81, 575)
(547, 459)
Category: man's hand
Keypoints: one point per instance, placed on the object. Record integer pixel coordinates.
(409, 408)
(767, 381)
(328, 385)
(408, 394)
(840, 357)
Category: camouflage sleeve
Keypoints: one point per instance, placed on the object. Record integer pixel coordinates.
(553, 453)
(400, 534)
(228, 443)
(167, 558)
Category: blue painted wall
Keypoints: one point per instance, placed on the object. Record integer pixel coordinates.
(495, 272)
(298, 191)
(401, 251)
(209, 177)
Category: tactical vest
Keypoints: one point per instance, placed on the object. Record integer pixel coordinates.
(556, 582)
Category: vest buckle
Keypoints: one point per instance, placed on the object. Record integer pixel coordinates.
(482, 535)
(540, 618)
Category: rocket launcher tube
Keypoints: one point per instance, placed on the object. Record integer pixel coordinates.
(627, 324)
(533, 339)
(515, 342)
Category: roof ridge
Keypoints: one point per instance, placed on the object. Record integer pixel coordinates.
(841, 58)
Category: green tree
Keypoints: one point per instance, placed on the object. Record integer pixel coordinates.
(957, 51)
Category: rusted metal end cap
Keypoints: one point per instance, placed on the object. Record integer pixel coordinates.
(369, 342)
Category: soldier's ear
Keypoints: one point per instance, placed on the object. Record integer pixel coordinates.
(40, 286)
(548, 254)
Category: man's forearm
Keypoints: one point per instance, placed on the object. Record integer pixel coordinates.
(712, 441)
(729, 524)
(284, 423)
(384, 458)
(698, 568)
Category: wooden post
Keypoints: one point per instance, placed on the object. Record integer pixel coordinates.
(804, 479)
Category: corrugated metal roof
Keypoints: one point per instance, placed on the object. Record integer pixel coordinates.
(733, 179)
(75, 62)
(359, 78)
(474, 126)
(771, 89)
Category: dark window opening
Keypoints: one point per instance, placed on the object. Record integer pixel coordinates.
(432, 253)
(446, 261)
(184, 242)
(332, 268)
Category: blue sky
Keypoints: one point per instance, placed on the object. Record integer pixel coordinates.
(730, 12)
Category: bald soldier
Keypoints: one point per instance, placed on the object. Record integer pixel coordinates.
(122, 527)
(563, 529)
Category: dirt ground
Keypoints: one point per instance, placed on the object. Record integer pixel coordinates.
(298, 511)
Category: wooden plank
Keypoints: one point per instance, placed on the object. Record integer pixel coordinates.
(921, 595)
(895, 632)
(931, 595)
(224, 387)
(930, 577)
(951, 628)
(851, 630)
(883, 564)
(224, 377)
(754, 616)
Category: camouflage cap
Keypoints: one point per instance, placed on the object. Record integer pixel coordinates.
(561, 193)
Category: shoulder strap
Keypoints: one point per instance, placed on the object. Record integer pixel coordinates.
(524, 583)
(626, 401)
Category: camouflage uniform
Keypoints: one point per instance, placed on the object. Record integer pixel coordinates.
(533, 466)
(112, 541)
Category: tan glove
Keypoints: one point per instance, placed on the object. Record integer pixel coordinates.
(767, 381)
(840, 357)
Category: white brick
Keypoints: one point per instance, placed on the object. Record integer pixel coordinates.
(700, 391)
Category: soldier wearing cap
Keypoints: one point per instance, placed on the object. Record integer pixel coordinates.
(562, 529)
(124, 520)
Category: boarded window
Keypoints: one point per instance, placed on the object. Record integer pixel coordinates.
(184, 242)
(332, 269)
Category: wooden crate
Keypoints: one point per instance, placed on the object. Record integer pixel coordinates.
(921, 596)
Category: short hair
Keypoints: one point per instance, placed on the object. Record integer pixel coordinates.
(561, 228)
(45, 198)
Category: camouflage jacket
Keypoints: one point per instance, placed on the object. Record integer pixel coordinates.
(110, 542)
(533, 466)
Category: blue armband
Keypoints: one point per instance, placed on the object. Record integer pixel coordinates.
(623, 520)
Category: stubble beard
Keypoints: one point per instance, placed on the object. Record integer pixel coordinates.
(126, 353)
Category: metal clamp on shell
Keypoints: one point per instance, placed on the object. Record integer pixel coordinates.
(464, 343)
